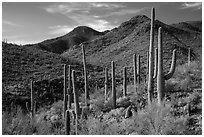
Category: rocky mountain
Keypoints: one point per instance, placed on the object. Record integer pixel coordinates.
(132, 37)
(75, 37)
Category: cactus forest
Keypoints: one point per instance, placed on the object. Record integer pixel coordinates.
(157, 91)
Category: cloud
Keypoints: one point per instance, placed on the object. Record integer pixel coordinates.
(6, 22)
(125, 12)
(106, 5)
(80, 15)
(194, 5)
(59, 29)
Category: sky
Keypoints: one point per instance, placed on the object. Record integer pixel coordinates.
(33, 22)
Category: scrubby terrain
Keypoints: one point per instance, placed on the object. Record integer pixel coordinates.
(180, 114)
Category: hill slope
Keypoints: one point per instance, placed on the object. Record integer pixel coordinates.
(75, 37)
(132, 37)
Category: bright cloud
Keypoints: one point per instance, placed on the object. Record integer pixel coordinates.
(80, 14)
(125, 12)
(195, 5)
(59, 29)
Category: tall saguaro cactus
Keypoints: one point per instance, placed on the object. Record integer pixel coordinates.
(161, 77)
(113, 85)
(76, 97)
(124, 81)
(69, 87)
(65, 89)
(135, 70)
(138, 69)
(106, 83)
(76, 101)
(189, 56)
(85, 78)
(32, 101)
(150, 86)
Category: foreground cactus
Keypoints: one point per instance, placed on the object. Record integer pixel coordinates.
(65, 89)
(67, 123)
(113, 85)
(135, 70)
(32, 101)
(76, 97)
(150, 86)
(138, 69)
(85, 78)
(124, 81)
(161, 77)
(69, 88)
(189, 56)
(106, 83)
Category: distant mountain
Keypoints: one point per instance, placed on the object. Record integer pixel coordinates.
(195, 26)
(73, 38)
(132, 37)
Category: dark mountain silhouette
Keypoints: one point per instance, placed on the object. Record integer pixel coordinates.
(132, 37)
(75, 37)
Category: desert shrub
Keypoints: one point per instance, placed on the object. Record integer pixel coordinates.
(16, 123)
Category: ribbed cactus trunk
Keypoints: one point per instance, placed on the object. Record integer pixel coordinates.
(155, 63)
(113, 85)
(76, 97)
(69, 87)
(67, 123)
(135, 70)
(32, 101)
(76, 101)
(138, 69)
(85, 78)
(189, 56)
(124, 81)
(150, 86)
(161, 77)
(106, 83)
(65, 89)
(147, 67)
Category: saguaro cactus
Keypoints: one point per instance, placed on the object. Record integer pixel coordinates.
(161, 77)
(76, 97)
(76, 101)
(32, 101)
(150, 86)
(65, 89)
(69, 87)
(85, 78)
(106, 83)
(113, 85)
(189, 56)
(155, 63)
(67, 123)
(147, 66)
(138, 69)
(135, 70)
(124, 81)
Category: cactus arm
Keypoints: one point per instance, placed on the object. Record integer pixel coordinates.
(106, 83)
(156, 63)
(135, 69)
(138, 69)
(173, 66)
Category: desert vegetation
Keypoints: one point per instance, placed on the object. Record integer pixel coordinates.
(160, 101)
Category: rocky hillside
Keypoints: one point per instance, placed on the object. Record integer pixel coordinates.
(73, 38)
(132, 37)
